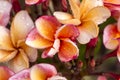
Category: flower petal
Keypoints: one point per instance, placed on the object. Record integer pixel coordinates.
(22, 75)
(109, 37)
(31, 2)
(5, 8)
(87, 5)
(29, 51)
(66, 18)
(112, 6)
(98, 14)
(21, 26)
(7, 55)
(118, 24)
(62, 15)
(75, 8)
(67, 31)
(34, 39)
(42, 71)
(46, 26)
(112, 1)
(88, 30)
(5, 73)
(5, 40)
(50, 52)
(20, 61)
(68, 50)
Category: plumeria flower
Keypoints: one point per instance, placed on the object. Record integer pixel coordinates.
(5, 73)
(86, 15)
(13, 49)
(40, 71)
(5, 8)
(31, 2)
(51, 36)
(111, 37)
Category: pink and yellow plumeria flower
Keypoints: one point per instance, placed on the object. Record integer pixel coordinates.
(5, 73)
(51, 36)
(40, 71)
(111, 37)
(13, 49)
(5, 8)
(86, 15)
(31, 2)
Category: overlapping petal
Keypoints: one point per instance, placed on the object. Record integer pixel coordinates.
(86, 16)
(88, 30)
(21, 26)
(22, 75)
(75, 8)
(98, 14)
(29, 51)
(48, 34)
(66, 18)
(7, 55)
(13, 49)
(110, 37)
(50, 52)
(87, 5)
(19, 62)
(46, 26)
(5, 8)
(34, 39)
(62, 15)
(67, 31)
(5, 40)
(68, 50)
(42, 71)
(5, 73)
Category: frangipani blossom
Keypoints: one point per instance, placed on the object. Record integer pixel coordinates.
(31, 2)
(111, 37)
(40, 71)
(54, 38)
(13, 49)
(5, 73)
(86, 15)
(5, 8)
